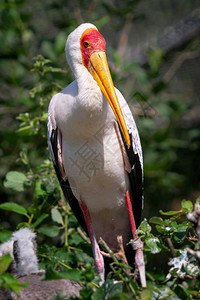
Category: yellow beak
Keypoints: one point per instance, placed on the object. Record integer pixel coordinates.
(98, 67)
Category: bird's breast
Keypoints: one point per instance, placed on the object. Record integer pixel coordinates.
(95, 169)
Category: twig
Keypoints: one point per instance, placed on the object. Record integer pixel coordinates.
(194, 253)
(92, 7)
(178, 63)
(193, 239)
(171, 247)
(84, 237)
(77, 12)
(194, 280)
(123, 41)
(121, 252)
(194, 217)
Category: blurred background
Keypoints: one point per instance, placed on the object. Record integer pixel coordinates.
(153, 49)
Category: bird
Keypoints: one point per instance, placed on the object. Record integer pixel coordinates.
(95, 148)
(25, 251)
(22, 248)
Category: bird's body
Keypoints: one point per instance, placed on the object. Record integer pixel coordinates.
(93, 159)
(89, 148)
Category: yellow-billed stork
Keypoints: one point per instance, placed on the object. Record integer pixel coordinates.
(95, 148)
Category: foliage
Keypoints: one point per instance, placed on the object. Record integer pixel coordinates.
(7, 280)
(30, 191)
(51, 217)
(75, 262)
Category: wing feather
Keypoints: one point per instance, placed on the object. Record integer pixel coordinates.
(134, 156)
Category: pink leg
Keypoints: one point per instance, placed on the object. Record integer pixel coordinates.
(99, 262)
(139, 258)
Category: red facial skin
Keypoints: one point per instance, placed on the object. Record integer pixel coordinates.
(91, 41)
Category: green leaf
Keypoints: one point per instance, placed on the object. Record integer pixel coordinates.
(198, 200)
(51, 274)
(39, 191)
(15, 180)
(60, 296)
(75, 239)
(158, 221)
(146, 294)
(11, 206)
(179, 231)
(5, 261)
(180, 292)
(112, 290)
(73, 274)
(169, 213)
(193, 270)
(98, 295)
(40, 219)
(86, 293)
(144, 228)
(164, 230)
(50, 231)
(5, 235)
(152, 244)
(11, 283)
(83, 257)
(187, 205)
(155, 59)
(56, 216)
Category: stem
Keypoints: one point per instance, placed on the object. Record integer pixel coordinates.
(66, 230)
(30, 218)
(105, 246)
(64, 265)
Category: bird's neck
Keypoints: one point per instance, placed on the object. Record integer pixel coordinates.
(91, 105)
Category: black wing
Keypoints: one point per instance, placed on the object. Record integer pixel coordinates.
(136, 181)
(67, 191)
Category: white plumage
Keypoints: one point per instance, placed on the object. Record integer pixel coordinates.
(88, 149)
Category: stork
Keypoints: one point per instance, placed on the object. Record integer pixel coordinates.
(95, 148)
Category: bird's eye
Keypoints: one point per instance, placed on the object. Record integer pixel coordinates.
(86, 44)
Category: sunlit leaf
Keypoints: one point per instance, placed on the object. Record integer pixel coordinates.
(56, 216)
(5, 261)
(11, 206)
(11, 283)
(158, 221)
(39, 191)
(15, 180)
(187, 205)
(169, 213)
(152, 243)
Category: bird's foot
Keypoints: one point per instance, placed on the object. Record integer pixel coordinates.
(120, 254)
(139, 260)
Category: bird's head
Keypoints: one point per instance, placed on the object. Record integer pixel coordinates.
(86, 46)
